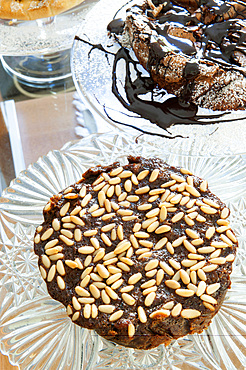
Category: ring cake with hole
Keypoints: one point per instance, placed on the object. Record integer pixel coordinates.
(140, 253)
(34, 9)
(193, 49)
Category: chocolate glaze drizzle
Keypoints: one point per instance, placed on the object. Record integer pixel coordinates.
(171, 112)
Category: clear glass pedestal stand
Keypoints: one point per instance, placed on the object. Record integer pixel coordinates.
(37, 53)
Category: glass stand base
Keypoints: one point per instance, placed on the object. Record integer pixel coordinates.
(44, 71)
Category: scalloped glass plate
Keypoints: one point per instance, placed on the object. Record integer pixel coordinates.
(92, 74)
(35, 331)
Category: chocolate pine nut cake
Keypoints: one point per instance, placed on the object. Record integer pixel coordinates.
(140, 253)
(193, 49)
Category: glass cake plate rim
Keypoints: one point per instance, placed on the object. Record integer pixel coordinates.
(70, 156)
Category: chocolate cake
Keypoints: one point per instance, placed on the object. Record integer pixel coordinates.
(193, 49)
(140, 253)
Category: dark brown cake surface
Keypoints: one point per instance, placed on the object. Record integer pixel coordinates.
(142, 253)
(193, 49)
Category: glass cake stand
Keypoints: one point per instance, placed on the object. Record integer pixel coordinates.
(37, 53)
(92, 70)
(35, 331)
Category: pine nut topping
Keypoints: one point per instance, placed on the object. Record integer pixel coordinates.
(142, 315)
(197, 266)
(201, 274)
(106, 239)
(177, 242)
(131, 330)
(82, 292)
(69, 310)
(192, 234)
(111, 293)
(159, 314)
(116, 171)
(230, 258)
(204, 186)
(128, 185)
(128, 299)
(103, 272)
(209, 268)
(86, 200)
(132, 198)
(163, 229)
(151, 265)
(150, 299)
(193, 276)
(94, 311)
(47, 234)
(176, 310)
(143, 190)
(175, 264)
(64, 209)
(56, 224)
(116, 315)
(208, 210)
(201, 288)
(86, 250)
(37, 239)
(172, 284)
(141, 234)
(152, 227)
(192, 191)
(148, 222)
(51, 243)
(208, 298)
(154, 175)
(135, 278)
(60, 268)
(177, 217)
(224, 213)
(215, 254)
(189, 246)
(206, 250)
(105, 298)
(225, 239)
(122, 246)
(159, 277)
(75, 316)
(154, 212)
(51, 273)
(113, 278)
(212, 288)
(142, 174)
(166, 268)
(184, 276)
(190, 313)
(90, 232)
(144, 207)
(218, 260)
(43, 272)
(210, 232)
(66, 240)
(189, 221)
(231, 236)
(185, 292)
